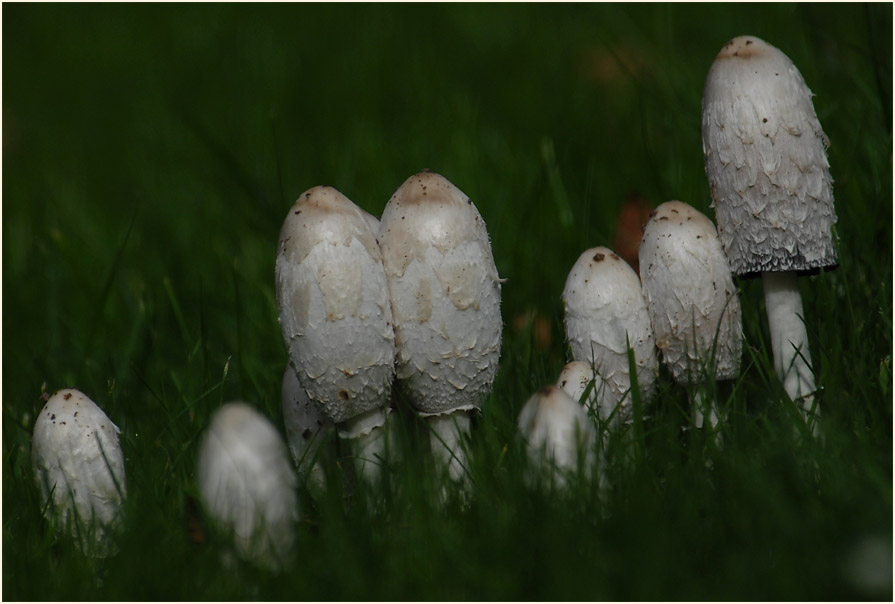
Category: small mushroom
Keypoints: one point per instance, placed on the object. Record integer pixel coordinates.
(575, 379)
(691, 299)
(559, 434)
(766, 162)
(336, 316)
(79, 469)
(445, 295)
(605, 312)
(306, 431)
(247, 485)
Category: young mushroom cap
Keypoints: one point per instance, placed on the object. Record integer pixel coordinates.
(247, 485)
(766, 162)
(605, 312)
(79, 469)
(574, 380)
(334, 305)
(445, 294)
(557, 430)
(690, 295)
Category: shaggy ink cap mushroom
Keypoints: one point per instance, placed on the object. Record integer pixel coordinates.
(690, 296)
(692, 302)
(605, 312)
(766, 162)
(79, 469)
(247, 485)
(445, 295)
(557, 431)
(334, 308)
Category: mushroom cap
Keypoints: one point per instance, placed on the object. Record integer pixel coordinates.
(79, 468)
(333, 304)
(690, 295)
(574, 379)
(306, 426)
(247, 484)
(766, 162)
(557, 429)
(604, 311)
(445, 294)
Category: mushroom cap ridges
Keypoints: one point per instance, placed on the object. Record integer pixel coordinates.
(445, 294)
(246, 482)
(556, 428)
(688, 286)
(766, 162)
(334, 306)
(78, 462)
(604, 311)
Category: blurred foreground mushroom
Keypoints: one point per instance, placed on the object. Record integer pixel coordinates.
(247, 484)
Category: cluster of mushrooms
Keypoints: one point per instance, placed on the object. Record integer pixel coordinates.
(765, 158)
(413, 301)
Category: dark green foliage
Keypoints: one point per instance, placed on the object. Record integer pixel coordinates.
(150, 153)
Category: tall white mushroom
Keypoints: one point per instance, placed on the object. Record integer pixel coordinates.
(766, 162)
(247, 485)
(691, 300)
(79, 469)
(558, 433)
(445, 295)
(336, 317)
(605, 312)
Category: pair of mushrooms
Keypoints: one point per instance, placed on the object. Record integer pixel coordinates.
(686, 307)
(246, 481)
(415, 297)
(771, 190)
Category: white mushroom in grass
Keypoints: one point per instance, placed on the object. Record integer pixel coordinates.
(445, 295)
(247, 485)
(558, 433)
(605, 313)
(766, 162)
(578, 378)
(79, 469)
(691, 299)
(306, 431)
(336, 317)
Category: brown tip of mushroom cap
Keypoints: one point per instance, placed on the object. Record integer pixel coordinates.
(428, 187)
(744, 47)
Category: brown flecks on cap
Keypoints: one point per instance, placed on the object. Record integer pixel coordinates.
(598, 257)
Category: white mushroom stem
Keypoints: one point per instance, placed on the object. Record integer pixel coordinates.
(789, 339)
(447, 434)
(367, 436)
(702, 405)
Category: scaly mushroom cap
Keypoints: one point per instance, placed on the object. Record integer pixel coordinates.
(78, 464)
(246, 483)
(690, 294)
(334, 306)
(766, 162)
(604, 311)
(445, 294)
(557, 429)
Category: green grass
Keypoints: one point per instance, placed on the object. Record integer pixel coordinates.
(150, 153)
